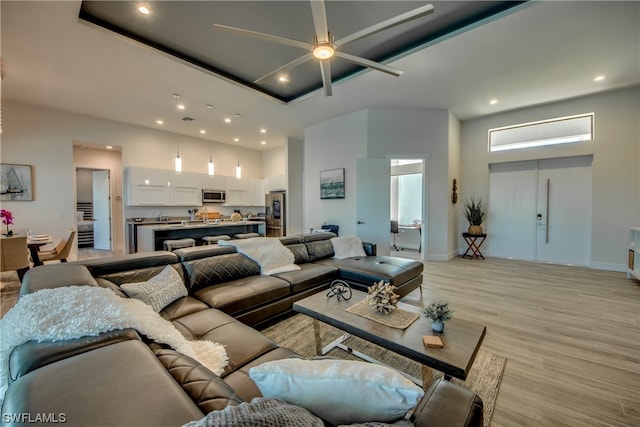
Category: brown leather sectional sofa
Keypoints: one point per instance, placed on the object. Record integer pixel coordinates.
(119, 378)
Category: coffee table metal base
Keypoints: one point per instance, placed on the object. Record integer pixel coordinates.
(338, 343)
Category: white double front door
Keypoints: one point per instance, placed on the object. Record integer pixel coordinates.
(540, 210)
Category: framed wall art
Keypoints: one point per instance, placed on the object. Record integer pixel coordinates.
(332, 184)
(15, 182)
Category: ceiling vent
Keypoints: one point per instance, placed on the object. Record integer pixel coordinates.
(188, 119)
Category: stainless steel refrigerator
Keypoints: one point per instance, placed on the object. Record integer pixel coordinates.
(275, 214)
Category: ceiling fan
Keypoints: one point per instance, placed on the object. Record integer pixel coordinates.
(324, 48)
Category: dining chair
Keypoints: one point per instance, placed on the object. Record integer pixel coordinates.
(62, 249)
(14, 255)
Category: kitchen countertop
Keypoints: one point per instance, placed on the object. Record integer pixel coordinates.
(165, 226)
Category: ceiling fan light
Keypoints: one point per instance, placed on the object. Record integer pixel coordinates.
(323, 51)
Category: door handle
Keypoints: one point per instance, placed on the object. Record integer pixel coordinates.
(360, 222)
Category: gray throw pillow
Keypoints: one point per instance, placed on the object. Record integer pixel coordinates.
(159, 291)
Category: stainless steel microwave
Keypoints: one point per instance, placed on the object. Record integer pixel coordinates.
(213, 196)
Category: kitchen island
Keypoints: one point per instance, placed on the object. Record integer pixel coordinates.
(150, 237)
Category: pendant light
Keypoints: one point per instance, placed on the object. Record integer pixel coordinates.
(238, 171)
(211, 169)
(178, 162)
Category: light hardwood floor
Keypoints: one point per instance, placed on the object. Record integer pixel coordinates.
(571, 336)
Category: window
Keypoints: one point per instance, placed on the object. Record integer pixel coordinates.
(561, 130)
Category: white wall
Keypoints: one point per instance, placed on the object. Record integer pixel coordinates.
(44, 139)
(295, 187)
(274, 162)
(333, 144)
(616, 154)
(382, 133)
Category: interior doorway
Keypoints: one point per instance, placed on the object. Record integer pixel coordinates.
(93, 208)
(407, 207)
(540, 210)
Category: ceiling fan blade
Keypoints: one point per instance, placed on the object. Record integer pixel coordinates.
(368, 63)
(285, 67)
(325, 70)
(320, 20)
(384, 25)
(262, 36)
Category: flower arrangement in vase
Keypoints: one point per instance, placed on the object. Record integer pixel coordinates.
(439, 313)
(7, 218)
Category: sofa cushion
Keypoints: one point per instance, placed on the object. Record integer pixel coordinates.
(309, 276)
(204, 251)
(35, 354)
(300, 253)
(107, 266)
(182, 307)
(159, 291)
(65, 274)
(141, 274)
(218, 269)
(242, 343)
(371, 269)
(319, 249)
(339, 391)
(236, 296)
(206, 389)
(121, 384)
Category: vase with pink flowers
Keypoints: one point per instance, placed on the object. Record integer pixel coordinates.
(7, 218)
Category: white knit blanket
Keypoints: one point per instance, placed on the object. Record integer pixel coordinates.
(268, 252)
(76, 311)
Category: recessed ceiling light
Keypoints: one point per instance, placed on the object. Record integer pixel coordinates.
(144, 10)
(283, 79)
(160, 122)
(181, 107)
(598, 78)
(227, 120)
(493, 102)
(202, 131)
(263, 131)
(263, 142)
(108, 147)
(236, 139)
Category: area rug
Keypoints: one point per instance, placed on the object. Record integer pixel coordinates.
(296, 333)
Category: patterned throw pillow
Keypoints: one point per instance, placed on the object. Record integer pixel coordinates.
(159, 291)
(347, 247)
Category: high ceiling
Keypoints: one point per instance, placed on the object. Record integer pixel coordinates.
(531, 54)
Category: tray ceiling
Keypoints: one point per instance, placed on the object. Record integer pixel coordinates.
(184, 30)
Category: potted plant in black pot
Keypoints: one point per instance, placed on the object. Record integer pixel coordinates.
(476, 212)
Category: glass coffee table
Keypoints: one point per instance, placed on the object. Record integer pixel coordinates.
(462, 338)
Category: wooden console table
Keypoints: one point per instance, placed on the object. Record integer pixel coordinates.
(474, 241)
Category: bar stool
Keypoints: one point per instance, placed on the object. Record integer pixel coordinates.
(246, 235)
(170, 245)
(212, 240)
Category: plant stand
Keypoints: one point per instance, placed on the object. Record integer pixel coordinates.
(474, 241)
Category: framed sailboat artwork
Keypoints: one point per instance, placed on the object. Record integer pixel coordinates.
(15, 182)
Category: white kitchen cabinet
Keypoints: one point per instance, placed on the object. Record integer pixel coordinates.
(255, 193)
(277, 183)
(185, 189)
(216, 182)
(232, 183)
(147, 187)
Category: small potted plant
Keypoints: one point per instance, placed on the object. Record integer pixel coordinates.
(439, 313)
(476, 212)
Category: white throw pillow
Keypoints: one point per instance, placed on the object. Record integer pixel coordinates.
(339, 391)
(347, 246)
(159, 291)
